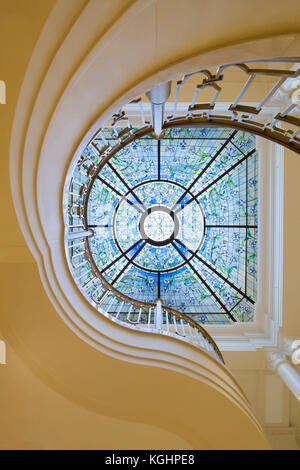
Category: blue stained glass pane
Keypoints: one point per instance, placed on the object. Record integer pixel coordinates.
(198, 133)
(244, 311)
(159, 192)
(228, 157)
(224, 203)
(101, 205)
(184, 292)
(225, 250)
(158, 258)
(212, 319)
(252, 201)
(137, 285)
(176, 220)
(137, 162)
(182, 160)
(244, 141)
(251, 277)
(103, 247)
(222, 289)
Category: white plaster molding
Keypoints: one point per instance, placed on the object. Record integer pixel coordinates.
(40, 159)
(291, 347)
(278, 362)
(2, 92)
(2, 352)
(263, 332)
(275, 358)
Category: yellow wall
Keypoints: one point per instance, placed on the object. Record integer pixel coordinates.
(21, 22)
(36, 409)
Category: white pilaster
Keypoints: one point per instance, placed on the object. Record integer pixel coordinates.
(291, 347)
(278, 362)
(158, 315)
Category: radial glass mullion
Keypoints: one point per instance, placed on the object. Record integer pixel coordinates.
(252, 203)
(111, 274)
(108, 175)
(175, 219)
(244, 311)
(185, 292)
(101, 205)
(136, 285)
(251, 278)
(244, 141)
(225, 202)
(137, 161)
(224, 249)
(223, 290)
(182, 160)
(103, 247)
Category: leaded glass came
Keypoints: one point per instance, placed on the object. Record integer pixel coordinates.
(177, 219)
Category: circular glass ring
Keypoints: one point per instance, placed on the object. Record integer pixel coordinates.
(159, 225)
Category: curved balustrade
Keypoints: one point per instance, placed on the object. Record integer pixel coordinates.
(144, 317)
(273, 111)
(278, 122)
(274, 114)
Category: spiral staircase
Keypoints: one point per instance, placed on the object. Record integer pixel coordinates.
(88, 348)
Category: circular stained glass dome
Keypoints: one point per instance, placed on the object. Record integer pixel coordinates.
(174, 219)
(157, 226)
(148, 222)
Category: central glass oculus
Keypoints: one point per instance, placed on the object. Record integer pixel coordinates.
(159, 226)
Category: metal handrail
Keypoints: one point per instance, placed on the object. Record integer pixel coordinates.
(281, 126)
(196, 325)
(145, 321)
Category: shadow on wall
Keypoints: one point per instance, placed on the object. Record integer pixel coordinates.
(2, 352)
(2, 92)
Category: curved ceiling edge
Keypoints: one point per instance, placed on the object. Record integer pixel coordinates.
(60, 20)
(133, 93)
(49, 244)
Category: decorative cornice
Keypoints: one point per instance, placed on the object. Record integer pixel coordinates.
(291, 347)
(275, 358)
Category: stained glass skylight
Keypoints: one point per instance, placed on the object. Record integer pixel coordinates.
(158, 226)
(176, 219)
